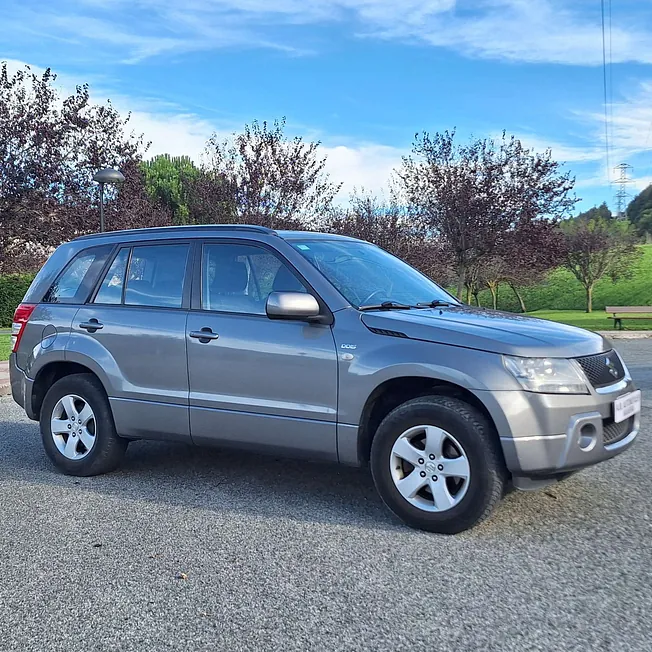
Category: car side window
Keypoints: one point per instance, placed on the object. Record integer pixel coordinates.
(239, 278)
(156, 275)
(110, 291)
(75, 282)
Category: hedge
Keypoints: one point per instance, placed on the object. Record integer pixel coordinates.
(12, 291)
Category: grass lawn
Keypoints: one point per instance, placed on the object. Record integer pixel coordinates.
(562, 292)
(594, 321)
(5, 346)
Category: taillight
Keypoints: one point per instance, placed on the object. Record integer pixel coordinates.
(21, 317)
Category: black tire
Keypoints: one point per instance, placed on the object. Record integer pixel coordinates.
(108, 450)
(480, 442)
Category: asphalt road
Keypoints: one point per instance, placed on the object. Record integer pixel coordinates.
(188, 549)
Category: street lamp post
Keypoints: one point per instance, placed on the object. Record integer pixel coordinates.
(108, 175)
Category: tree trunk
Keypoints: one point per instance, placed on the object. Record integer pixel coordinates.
(493, 288)
(468, 295)
(477, 298)
(519, 297)
(461, 280)
(589, 298)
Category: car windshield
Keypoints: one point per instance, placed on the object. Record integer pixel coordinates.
(369, 276)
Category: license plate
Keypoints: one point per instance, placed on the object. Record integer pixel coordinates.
(627, 405)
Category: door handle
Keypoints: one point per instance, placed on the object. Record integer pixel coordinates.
(91, 325)
(204, 335)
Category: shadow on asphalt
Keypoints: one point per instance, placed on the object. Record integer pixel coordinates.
(223, 480)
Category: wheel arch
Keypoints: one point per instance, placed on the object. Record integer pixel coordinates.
(395, 391)
(49, 374)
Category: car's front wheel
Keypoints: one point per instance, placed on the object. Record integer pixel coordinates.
(437, 464)
(77, 427)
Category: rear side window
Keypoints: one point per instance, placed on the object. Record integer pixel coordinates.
(156, 276)
(111, 289)
(146, 276)
(75, 282)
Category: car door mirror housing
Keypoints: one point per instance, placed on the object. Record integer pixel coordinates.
(293, 305)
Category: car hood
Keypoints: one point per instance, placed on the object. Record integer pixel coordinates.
(489, 330)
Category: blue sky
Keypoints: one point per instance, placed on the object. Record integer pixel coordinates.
(362, 76)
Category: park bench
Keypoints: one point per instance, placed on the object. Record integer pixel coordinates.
(618, 313)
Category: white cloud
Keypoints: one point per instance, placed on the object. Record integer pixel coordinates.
(516, 30)
(536, 31)
(630, 132)
(360, 166)
(564, 153)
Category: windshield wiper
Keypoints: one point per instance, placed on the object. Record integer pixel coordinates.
(386, 305)
(435, 303)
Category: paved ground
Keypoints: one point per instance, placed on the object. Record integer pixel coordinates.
(188, 549)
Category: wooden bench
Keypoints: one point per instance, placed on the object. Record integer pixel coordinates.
(618, 313)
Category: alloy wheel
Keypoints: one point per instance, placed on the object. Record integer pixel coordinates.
(430, 468)
(73, 427)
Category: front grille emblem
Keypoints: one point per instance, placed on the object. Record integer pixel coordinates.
(611, 367)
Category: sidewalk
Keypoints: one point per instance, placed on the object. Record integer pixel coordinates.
(5, 387)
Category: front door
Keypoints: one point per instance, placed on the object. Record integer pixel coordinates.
(254, 382)
(134, 329)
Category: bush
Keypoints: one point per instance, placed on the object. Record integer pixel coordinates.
(12, 291)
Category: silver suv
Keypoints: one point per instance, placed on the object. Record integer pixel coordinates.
(312, 345)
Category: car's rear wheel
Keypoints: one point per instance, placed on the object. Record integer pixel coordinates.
(77, 427)
(437, 464)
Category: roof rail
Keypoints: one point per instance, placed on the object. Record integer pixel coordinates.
(252, 228)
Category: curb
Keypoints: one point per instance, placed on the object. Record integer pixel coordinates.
(5, 385)
(626, 335)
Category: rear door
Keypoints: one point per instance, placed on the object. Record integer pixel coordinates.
(134, 328)
(255, 382)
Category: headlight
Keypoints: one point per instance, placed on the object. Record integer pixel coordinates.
(547, 375)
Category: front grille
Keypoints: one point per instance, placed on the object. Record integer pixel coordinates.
(614, 432)
(603, 369)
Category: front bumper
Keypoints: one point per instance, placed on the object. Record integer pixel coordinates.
(545, 436)
(549, 455)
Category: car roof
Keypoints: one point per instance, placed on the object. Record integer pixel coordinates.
(203, 230)
(312, 235)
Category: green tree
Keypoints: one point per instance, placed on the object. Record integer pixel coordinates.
(644, 224)
(639, 209)
(600, 212)
(597, 248)
(169, 180)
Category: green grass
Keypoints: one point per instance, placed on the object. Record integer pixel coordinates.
(562, 291)
(5, 346)
(593, 321)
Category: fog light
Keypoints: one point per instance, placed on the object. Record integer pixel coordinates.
(588, 437)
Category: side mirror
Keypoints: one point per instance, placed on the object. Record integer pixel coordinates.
(292, 305)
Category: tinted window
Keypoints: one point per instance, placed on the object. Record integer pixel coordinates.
(239, 278)
(156, 275)
(111, 289)
(76, 280)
